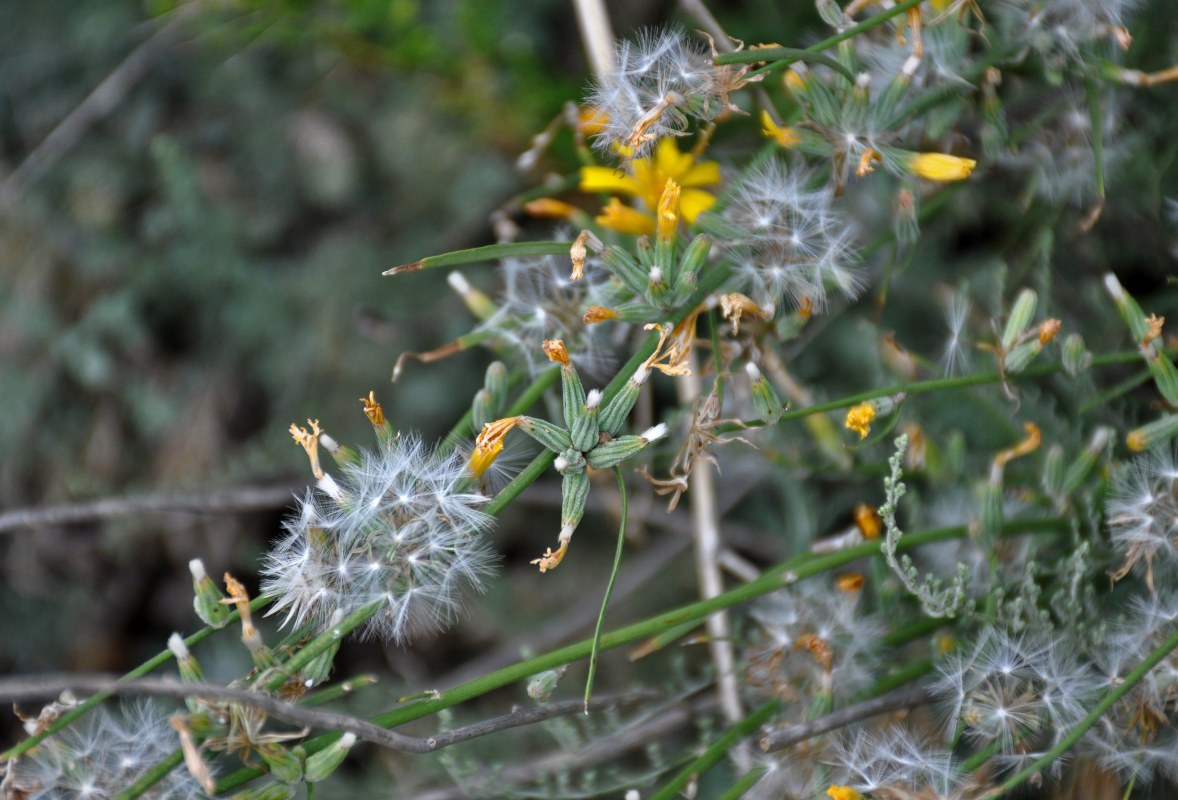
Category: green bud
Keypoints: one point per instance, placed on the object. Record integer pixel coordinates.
(765, 400)
(271, 791)
(1053, 471)
(572, 393)
(1165, 375)
(1075, 358)
(285, 765)
(613, 416)
(574, 492)
(990, 505)
(1156, 433)
(615, 451)
(541, 686)
(475, 299)
(189, 667)
(1083, 464)
(570, 461)
(555, 439)
(322, 764)
(628, 271)
(1130, 312)
(1021, 356)
(584, 430)
(482, 409)
(340, 454)
(318, 669)
(207, 601)
(495, 382)
(1020, 318)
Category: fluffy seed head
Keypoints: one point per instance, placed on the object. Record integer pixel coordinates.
(406, 532)
(100, 756)
(795, 245)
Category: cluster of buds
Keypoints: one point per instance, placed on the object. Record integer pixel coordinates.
(1147, 333)
(1022, 339)
(588, 440)
(664, 275)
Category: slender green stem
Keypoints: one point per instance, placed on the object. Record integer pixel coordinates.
(825, 44)
(717, 750)
(787, 54)
(609, 590)
(783, 574)
(1106, 702)
(491, 252)
(938, 384)
(157, 660)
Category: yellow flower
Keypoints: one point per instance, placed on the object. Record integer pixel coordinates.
(843, 793)
(786, 137)
(859, 418)
(647, 182)
(941, 166)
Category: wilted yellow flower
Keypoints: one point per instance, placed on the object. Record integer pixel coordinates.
(786, 137)
(859, 418)
(941, 166)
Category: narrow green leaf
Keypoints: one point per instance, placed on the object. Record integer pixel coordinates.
(491, 252)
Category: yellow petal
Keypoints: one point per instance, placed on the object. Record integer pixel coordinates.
(703, 173)
(693, 202)
(607, 179)
(941, 166)
(786, 137)
(621, 217)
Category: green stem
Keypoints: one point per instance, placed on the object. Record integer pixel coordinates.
(937, 384)
(783, 574)
(787, 54)
(1106, 702)
(157, 660)
(491, 252)
(609, 590)
(825, 44)
(717, 750)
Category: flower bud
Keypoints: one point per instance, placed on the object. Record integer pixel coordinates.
(1020, 317)
(613, 416)
(208, 597)
(1075, 358)
(285, 765)
(476, 300)
(1054, 470)
(542, 685)
(322, 764)
(584, 430)
(495, 381)
(574, 492)
(482, 409)
(554, 438)
(1083, 464)
(615, 451)
(626, 268)
(765, 400)
(1156, 433)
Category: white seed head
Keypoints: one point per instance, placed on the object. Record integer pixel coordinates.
(753, 372)
(593, 398)
(408, 537)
